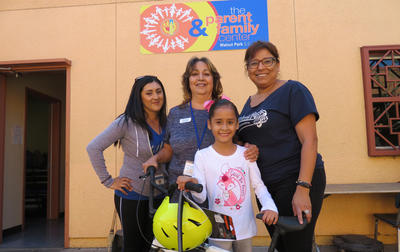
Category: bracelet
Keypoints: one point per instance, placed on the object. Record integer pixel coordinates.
(303, 184)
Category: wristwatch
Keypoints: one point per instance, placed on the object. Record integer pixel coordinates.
(303, 184)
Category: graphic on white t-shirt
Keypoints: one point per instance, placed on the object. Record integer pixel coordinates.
(232, 186)
(256, 118)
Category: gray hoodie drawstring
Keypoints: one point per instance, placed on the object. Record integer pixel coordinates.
(137, 142)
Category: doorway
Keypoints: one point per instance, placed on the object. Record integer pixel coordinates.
(42, 155)
(33, 141)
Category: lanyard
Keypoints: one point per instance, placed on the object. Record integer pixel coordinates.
(199, 140)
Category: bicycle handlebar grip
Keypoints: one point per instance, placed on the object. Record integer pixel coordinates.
(288, 223)
(151, 170)
(194, 187)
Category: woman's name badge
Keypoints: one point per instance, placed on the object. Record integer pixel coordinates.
(185, 120)
(188, 170)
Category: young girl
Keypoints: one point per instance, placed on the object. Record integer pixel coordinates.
(226, 177)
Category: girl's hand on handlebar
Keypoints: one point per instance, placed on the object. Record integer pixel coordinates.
(270, 217)
(122, 183)
(182, 180)
(251, 152)
(150, 162)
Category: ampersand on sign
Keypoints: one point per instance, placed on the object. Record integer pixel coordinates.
(196, 30)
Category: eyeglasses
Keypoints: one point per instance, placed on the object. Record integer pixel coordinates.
(267, 62)
(149, 76)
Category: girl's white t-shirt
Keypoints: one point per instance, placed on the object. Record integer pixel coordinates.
(226, 183)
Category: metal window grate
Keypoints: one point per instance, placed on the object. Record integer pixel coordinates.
(381, 77)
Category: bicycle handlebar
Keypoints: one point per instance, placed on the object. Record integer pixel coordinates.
(287, 223)
(151, 170)
(194, 187)
(284, 225)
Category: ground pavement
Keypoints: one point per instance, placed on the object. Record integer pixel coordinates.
(388, 248)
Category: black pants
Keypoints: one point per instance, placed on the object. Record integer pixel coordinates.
(127, 210)
(282, 193)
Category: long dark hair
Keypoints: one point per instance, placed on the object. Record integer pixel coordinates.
(134, 108)
(217, 85)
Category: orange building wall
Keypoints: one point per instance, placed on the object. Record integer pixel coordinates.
(319, 43)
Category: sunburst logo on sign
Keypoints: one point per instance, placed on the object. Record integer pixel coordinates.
(165, 28)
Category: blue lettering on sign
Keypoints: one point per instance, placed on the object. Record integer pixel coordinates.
(196, 30)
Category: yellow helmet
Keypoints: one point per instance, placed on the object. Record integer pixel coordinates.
(196, 227)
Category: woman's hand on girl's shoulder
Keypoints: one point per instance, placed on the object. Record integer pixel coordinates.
(251, 152)
(122, 185)
(270, 217)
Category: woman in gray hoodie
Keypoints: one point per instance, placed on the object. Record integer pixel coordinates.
(140, 131)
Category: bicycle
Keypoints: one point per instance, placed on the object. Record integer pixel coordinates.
(284, 224)
(154, 184)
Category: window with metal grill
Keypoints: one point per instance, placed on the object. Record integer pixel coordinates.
(381, 77)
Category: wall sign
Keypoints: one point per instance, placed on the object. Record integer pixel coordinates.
(202, 26)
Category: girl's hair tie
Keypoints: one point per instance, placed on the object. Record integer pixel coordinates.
(207, 104)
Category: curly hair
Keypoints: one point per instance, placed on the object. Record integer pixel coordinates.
(217, 85)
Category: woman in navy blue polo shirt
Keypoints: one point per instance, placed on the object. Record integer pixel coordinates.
(280, 119)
